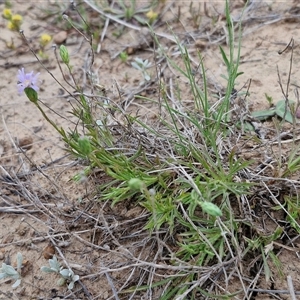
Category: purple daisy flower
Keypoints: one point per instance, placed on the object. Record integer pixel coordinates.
(27, 80)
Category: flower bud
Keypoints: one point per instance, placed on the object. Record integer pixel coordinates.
(31, 94)
(211, 209)
(64, 54)
(135, 184)
(152, 16)
(61, 281)
(84, 146)
(45, 39)
(15, 22)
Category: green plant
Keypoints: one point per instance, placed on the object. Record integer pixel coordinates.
(292, 164)
(293, 211)
(123, 56)
(196, 196)
(14, 20)
(123, 11)
(269, 99)
(195, 15)
(129, 10)
(185, 170)
(8, 271)
(75, 16)
(281, 109)
(265, 245)
(142, 65)
(66, 274)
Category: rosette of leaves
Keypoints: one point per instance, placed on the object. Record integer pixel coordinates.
(66, 274)
(281, 109)
(8, 271)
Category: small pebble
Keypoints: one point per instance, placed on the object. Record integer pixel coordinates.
(26, 143)
(60, 37)
(49, 251)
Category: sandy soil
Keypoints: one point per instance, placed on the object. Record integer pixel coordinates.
(30, 146)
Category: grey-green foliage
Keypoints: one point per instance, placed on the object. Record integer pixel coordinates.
(142, 65)
(8, 271)
(66, 274)
(281, 109)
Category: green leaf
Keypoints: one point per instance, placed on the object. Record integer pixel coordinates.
(54, 264)
(226, 61)
(211, 209)
(9, 270)
(3, 275)
(283, 111)
(16, 284)
(71, 285)
(246, 126)
(19, 260)
(84, 145)
(263, 114)
(48, 270)
(65, 273)
(140, 19)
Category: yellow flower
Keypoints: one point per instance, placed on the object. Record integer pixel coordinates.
(15, 22)
(17, 19)
(6, 13)
(45, 39)
(151, 15)
(11, 26)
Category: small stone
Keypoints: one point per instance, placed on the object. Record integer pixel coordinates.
(2, 256)
(49, 251)
(22, 230)
(130, 50)
(26, 143)
(60, 37)
(200, 44)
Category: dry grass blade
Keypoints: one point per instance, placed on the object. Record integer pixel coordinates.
(291, 287)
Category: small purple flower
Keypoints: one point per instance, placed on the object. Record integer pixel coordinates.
(27, 80)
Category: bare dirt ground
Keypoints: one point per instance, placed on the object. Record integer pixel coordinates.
(41, 205)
